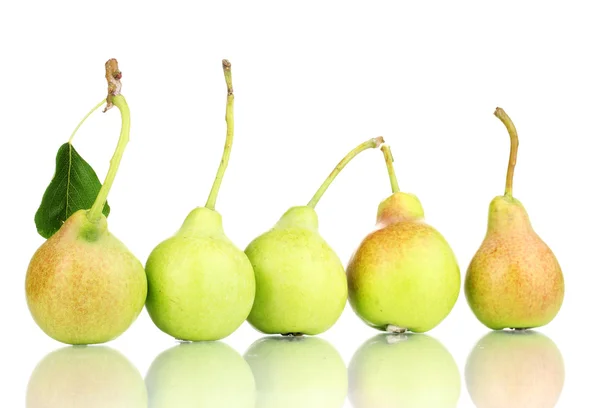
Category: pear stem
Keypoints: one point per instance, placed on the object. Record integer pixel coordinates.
(95, 212)
(214, 191)
(514, 146)
(85, 117)
(369, 144)
(389, 162)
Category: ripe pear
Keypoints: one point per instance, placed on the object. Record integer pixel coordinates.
(403, 370)
(297, 372)
(404, 275)
(200, 285)
(300, 282)
(514, 280)
(91, 377)
(83, 286)
(517, 369)
(208, 374)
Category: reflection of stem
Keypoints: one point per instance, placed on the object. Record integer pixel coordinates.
(389, 162)
(84, 118)
(514, 146)
(369, 144)
(96, 211)
(214, 191)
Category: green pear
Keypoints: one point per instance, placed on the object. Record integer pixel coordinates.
(91, 377)
(200, 285)
(83, 286)
(403, 370)
(514, 279)
(297, 372)
(208, 374)
(404, 275)
(517, 369)
(300, 282)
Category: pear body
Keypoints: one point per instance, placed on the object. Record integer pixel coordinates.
(403, 370)
(83, 286)
(404, 273)
(91, 377)
(200, 285)
(297, 372)
(514, 279)
(515, 369)
(208, 374)
(300, 281)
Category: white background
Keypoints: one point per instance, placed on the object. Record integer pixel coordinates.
(311, 80)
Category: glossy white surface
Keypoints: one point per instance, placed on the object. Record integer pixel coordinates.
(311, 80)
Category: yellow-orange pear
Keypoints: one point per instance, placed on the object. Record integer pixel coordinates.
(514, 280)
(404, 275)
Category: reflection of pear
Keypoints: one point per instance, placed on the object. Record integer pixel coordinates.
(200, 375)
(74, 377)
(297, 372)
(403, 370)
(515, 369)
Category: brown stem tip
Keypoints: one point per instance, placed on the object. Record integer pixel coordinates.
(113, 78)
(227, 72)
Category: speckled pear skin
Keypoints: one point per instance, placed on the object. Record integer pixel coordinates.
(83, 286)
(514, 279)
(300, 281)
(200, 285)
(404, 273)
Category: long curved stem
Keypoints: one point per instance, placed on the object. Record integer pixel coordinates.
(514, 146)
(369, 144)
(389, 162)
(214, 191)
(95, 212)
(102, 102)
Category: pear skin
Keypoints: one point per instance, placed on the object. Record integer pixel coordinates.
(404, 274)
(514, 279)
(300, 281)
(83, 286)
(201, 286)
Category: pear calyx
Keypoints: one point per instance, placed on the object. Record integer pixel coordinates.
(399, 207)
(202, 221)
(303, 217)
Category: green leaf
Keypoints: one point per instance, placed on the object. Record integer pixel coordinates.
(74, 186)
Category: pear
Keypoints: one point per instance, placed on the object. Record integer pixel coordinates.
(83, 286)
(403, 370)
(517, 369)
(297, 372)
(300, 283)
(200, 285)
(404, 275)
(208, 374)
(514, 280)
(91, 377)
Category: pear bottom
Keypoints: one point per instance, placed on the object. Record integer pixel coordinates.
(83, 286)
(199, 288)
(403, 275)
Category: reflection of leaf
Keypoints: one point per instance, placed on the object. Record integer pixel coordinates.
(74, 187)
